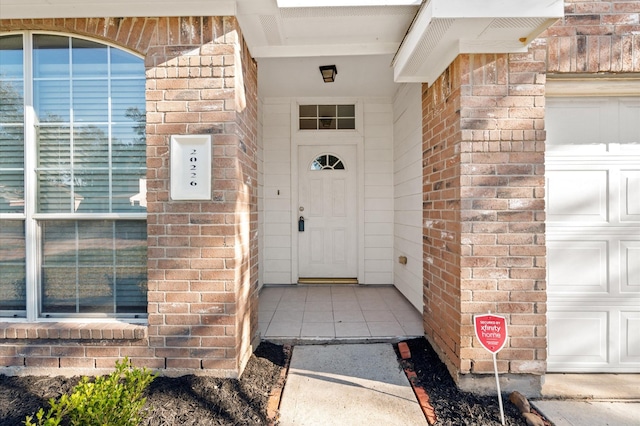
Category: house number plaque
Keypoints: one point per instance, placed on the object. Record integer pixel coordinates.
(191, 167)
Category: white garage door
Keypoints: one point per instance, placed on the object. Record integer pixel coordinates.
(593, 234)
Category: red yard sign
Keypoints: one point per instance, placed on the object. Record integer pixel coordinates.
(491, 330)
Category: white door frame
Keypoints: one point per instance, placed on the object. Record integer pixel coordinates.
(326, 137)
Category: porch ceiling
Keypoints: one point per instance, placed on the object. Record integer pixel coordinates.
(444, 29)
(291, 38)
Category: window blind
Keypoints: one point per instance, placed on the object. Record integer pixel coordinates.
(89, 135)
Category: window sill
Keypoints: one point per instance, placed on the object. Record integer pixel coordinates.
(73, 331)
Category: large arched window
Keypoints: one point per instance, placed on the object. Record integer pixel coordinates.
(72, 179)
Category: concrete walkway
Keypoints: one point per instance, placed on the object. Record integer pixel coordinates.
(592, 413)
(591, 399)
(351, 384)
(363, 384)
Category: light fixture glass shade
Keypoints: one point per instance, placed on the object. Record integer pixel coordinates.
(328, 73)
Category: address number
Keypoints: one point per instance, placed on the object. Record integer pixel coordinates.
(191, 167)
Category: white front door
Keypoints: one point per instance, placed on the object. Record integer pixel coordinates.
(327, 198)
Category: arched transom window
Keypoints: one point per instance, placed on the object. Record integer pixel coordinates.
(327, 162)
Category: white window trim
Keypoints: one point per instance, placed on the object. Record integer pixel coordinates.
(297, 133)
(558, 86)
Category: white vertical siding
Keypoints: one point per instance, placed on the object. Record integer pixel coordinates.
(260, 161)
(276, 124)
(407, 171)
(378, 191)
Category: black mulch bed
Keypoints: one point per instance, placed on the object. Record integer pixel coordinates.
(187, 400)
(193, 400)
(452, 406)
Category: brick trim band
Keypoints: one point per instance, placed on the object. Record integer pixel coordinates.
(73, 331)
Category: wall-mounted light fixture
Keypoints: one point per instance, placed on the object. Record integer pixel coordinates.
(328, 73)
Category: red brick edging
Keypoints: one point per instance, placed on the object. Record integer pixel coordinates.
(420, 392)
(273, 404)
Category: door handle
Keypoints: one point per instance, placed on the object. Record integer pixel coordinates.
(301, 224)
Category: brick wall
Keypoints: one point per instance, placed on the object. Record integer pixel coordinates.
(595, 37)
(484, 210)
(202, 283)
(202, 256)
(247, 283)
(441, 213)
(483, 171)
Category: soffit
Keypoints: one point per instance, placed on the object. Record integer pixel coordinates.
(444, 29)
(273, 32)
(269, 30)
(290, 41)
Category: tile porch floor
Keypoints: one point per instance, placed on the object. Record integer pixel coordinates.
(324, 313)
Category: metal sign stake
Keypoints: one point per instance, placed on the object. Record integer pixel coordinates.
(491, 331)
(495, 370)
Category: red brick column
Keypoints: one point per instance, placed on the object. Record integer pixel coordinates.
(202, 254)
(484, 211)
(441, 214)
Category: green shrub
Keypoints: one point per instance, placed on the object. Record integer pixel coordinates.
(113, 400)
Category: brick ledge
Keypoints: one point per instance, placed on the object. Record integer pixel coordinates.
(73, 331)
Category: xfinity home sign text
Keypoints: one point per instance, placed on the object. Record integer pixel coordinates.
(491, 331)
